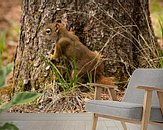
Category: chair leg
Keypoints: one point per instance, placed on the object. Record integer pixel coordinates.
(146, 109)
(94, 122)
(124, 125)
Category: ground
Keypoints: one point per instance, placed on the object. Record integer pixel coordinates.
(10, 15)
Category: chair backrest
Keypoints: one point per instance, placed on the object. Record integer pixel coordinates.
(143, 77)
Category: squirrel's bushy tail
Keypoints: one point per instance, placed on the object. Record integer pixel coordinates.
(105, 80)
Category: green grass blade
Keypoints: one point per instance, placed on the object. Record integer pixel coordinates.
(2, 42)
(4, 71)
(57, 73)
(2, 78)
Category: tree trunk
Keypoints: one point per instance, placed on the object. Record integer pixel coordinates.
(120, 29)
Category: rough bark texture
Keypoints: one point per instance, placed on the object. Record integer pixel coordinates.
(120, 29)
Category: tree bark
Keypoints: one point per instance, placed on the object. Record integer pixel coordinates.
(120, 29)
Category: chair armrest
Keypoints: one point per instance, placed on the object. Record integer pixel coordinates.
(102, 85)
(147, 88)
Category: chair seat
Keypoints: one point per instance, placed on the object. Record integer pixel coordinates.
(125, 110)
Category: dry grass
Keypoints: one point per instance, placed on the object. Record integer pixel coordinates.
(54, 100)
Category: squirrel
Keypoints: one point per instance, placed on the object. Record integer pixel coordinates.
(84, 61)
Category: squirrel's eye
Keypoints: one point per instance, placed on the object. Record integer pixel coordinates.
(48, 31)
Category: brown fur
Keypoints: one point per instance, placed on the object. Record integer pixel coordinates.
(69, 45)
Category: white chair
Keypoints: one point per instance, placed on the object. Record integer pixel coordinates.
(138, 106)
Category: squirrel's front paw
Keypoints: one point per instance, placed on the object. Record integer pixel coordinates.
(53, 58)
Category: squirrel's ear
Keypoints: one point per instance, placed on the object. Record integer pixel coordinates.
(58, 21)
(57, 26)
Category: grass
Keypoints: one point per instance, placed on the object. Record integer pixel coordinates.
(20, 98)
(66, 85)
(147, 47)
(141, 42)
